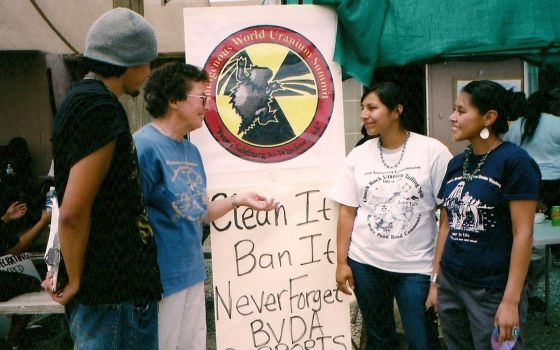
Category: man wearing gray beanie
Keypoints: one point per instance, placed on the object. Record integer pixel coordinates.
(110, 284)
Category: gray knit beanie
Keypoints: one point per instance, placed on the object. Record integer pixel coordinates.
(121, 37)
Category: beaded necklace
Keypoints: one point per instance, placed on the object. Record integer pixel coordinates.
(96, 78)
(380, 145)
(469, 176)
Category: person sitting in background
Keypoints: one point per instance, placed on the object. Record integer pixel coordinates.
(14, 283)
(20, 157)
(538, 133)
(12, 244)
(16, 244)
(18, 183)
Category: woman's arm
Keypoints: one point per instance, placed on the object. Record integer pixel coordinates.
(220, 207)
(30, 235)
(522, 218)
(344, 276)
(442, 237)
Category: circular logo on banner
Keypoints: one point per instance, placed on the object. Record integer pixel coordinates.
(272, 92)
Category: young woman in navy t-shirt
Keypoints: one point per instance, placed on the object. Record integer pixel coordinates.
(489, 195)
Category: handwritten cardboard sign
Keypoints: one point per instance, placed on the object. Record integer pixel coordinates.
(274, 275)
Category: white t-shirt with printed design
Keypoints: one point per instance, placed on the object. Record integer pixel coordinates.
(395, 226)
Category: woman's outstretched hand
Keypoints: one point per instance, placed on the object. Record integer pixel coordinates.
(15, 211)
(256, 201)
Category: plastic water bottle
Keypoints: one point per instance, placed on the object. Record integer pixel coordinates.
(497, 345)
(50, 195)
(9, 170)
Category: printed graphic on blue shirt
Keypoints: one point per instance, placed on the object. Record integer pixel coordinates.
(479, 245)
(392, 197)
(190, 204)
(467, 212)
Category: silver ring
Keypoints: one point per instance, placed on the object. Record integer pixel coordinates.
(515, 332)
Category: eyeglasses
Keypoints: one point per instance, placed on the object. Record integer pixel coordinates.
(204, 98)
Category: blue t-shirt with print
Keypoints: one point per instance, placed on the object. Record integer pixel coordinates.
(175, 194)
(478, 247)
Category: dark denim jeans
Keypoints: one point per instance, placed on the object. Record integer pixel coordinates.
(114, 326)
(375, 291)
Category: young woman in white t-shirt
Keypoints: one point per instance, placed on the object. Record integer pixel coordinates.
(387, 191)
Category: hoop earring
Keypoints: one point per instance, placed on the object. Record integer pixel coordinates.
(484, 133)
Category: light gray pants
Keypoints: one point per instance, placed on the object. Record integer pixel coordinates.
(467, 314)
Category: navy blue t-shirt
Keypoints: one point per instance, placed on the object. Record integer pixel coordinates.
(478, 248)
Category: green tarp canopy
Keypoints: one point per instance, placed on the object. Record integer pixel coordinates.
(381, 33)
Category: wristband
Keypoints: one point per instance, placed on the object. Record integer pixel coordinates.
(434, 278)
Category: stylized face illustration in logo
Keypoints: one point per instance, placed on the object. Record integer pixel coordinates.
(262, 121)
(273, 94)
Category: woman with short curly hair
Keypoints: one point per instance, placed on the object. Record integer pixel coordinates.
(174, 184)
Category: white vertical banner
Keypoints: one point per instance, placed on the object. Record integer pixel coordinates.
(274, 126)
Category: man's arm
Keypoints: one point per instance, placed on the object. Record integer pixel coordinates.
(74, 220)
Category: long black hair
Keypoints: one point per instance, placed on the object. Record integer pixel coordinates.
(488, 95)
(541, 101)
